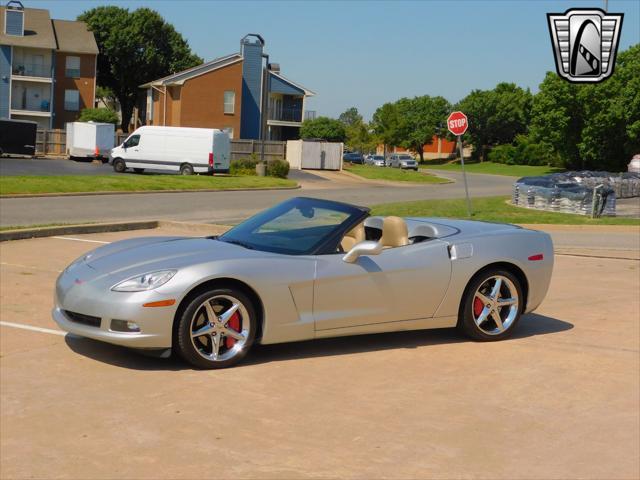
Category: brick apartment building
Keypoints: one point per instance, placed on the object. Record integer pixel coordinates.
(47, 67)
(231, 93)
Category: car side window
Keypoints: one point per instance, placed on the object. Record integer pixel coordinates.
(132, 141)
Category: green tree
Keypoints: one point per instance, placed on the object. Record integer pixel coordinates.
(421, 118)
(386, 124)
(351, 117)
(591, 126)
(135, 47)
(101, 115)
(323, 128)
(496, 116)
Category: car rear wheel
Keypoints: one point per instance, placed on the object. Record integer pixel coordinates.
(186, 169)
(492, 306)
(217, 329)
(119, 165)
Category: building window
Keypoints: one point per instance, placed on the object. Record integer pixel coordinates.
(72, 100)
(14, 22)
(72, 67)
(228, 131)
(229, 101)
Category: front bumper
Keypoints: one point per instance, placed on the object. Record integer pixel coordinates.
(148, 337)
(94, 298)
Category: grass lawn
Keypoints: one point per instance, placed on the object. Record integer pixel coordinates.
(496, 169)
(491, 209)
(393, 174)
(131, 183)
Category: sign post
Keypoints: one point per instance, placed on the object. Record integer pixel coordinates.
(457, 123)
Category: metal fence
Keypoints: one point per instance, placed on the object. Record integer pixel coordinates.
(54, 142)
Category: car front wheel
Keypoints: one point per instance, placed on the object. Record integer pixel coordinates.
(119, 165)
(217, 329)
(492, 306)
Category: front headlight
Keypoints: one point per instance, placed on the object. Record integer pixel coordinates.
(147, 281)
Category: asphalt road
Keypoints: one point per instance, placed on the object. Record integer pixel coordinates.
(220, 207)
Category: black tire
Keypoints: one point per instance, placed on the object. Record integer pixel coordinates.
(467, 317)
(187, 348)
(138, 170)
(119, 165)
(186, 169)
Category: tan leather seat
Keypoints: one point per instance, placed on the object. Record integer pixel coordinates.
(352, 237)
(394, 232)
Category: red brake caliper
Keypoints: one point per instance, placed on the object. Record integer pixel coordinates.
(478, 306)
(234, 324)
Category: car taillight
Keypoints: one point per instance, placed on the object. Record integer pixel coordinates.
(211, 159)
(536, 257)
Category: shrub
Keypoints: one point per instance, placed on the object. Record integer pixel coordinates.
(247, 166)
(523, 152)
(243, 166)
(278, 168)
(101, 115)
(503, 154)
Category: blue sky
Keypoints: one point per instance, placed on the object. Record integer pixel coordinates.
(365, 53)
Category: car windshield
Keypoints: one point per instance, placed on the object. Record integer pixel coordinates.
(405, 157)
(299, 226)
(378, 157)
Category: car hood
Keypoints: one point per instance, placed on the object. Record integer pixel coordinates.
(150, 253)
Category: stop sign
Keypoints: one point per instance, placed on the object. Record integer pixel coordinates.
(457, 123)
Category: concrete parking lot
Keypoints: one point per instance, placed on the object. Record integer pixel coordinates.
(558, 400)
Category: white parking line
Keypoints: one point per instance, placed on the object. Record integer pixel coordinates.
(32, 328)
(28, 266)
(80, 239)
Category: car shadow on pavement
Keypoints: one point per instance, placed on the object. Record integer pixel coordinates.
(530, 325)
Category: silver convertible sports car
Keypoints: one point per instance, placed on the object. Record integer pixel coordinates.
(304, 269)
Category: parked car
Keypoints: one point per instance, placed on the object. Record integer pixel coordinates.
(353, 157)
(402, 160)
(376, 161)
(281, 276)
(634, 164)
(18, 137)
(179, 149)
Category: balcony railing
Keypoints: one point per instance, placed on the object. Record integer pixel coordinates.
(43, 106)
(31, 70)
(286, 114)
(310, 115)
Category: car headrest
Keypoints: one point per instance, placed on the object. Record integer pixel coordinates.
(394, 232)
(353, 236)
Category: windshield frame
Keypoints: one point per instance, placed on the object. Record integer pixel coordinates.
(328, 243)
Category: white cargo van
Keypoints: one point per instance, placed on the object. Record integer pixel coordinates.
(180, 149)
(89, 139)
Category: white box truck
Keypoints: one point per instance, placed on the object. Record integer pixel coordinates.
(179, 149)
(90, 139)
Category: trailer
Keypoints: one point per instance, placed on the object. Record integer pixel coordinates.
(90, 139)
(18, 137)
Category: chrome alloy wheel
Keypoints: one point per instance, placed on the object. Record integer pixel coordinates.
(495, 305)
(220, 328)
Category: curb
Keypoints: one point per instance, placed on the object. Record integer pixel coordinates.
(143, 192)
(39, 232)
(398, 182)
(25, 233)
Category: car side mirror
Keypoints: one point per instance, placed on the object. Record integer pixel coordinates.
(362, 248)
